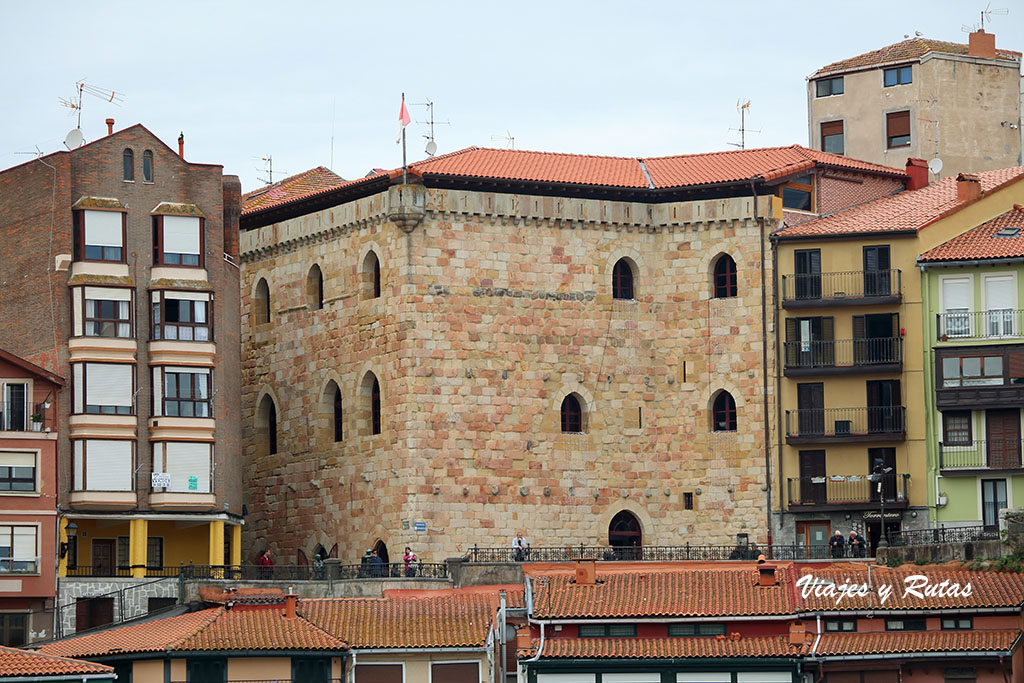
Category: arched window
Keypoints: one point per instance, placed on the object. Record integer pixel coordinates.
(315, 288)
(723, 413)
(266, 425)
(147, 166)
(725, 277)
(339, 422)
(371, 276)
(572, 415)
(625, 536)
(129, 164)
(622, 280)
(261, 303)
(375, 406)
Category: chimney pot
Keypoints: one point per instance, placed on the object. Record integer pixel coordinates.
(917, 169)
(291, 602)
(586, 572)
(981, 44)
(766, 575)
(181, 145)
(110, 126)
(968, 187)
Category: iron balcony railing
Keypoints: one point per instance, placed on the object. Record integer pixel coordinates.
(15, 416)
(842, 285)
(956, 534)
(645, 553)
(843, 353)
(845, 422)
(969, 325)
(121, 571)
(847, 490)
(250, 572)
(995, 454)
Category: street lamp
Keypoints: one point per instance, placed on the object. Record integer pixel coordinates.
(879, 477)
(71, 530)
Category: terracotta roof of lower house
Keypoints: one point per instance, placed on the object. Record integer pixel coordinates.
(259, 627)
(903, 642)
(15, 663)
(150, 636)
(906, 211)
(998, 238)
(905, 51)
(299, 185)
(668, 648)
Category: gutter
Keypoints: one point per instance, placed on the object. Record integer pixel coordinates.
(885, 613)
(924, 265)
(908, 655)
(411, 650)
(521, 672)
(667, 620)
(61, 679)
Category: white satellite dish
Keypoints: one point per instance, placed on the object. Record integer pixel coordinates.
(935, 165)
(74, 139)
(431, 148)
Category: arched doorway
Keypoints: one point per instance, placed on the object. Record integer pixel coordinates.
(382, 551)
(625, 536)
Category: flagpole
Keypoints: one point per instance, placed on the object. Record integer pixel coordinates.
(404, 167)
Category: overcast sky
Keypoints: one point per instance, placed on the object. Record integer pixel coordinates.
(282, 79)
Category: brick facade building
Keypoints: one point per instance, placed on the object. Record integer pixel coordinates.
(568, 346)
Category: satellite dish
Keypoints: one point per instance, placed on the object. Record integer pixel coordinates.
(935, 165)
(74, 139)
(431, 148)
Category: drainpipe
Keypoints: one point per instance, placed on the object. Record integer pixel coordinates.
(501, 635)
(764, 372)
(521, 669)
(353, 669)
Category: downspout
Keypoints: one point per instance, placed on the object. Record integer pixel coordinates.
(814, 648)
(353, 669)
(521, 669)
(764, 372)
(502, 637)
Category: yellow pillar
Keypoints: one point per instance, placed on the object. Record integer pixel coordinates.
(236, 545)
(216, 543)
(138, 547)
(62, 538)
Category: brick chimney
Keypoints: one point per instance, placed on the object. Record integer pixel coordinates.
(968, 187)
(981, 44)
(181, 145)
(110, 126)
(917, 169)
(586, 572)
(797, 633)
(766, 574)
(523, 638)
(291, 603)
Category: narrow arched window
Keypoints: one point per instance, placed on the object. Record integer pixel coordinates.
(315, 288)
(376, 278)
(375, 407)
(266, 425)
(339, 432)
(129, 164)
(261, 303)
(147, 166)
(572, 415)
(723, 413)
(622, 280)
(725, 277)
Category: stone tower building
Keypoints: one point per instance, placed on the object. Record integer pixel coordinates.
(575, 347)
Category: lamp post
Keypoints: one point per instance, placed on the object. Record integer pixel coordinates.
(71, 530)
(879, 477)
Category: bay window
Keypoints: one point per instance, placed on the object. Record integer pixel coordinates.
(103, 465)
(104, 388)
(182, 316)
(99, 235)
(189, 465)
(181, 392)
(102, 311)
(178, 240)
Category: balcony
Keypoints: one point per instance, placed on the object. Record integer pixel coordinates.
(998, 325)
(847, 492)
(844, 288)
(846, 425)
(843, 356)
(17, 416)
(979, 455)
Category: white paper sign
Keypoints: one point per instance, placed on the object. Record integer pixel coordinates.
(160, 479)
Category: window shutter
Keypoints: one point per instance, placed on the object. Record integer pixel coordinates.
(79, 482)
(187, 296)
(898, 123)
(78, 371)
(108, 384)
(956, 295)
(827, 329)
(1016, 365)
(860, 351)
(999, 294)
(181, 234)
(108, 465)
(103, 228)
(184, 460)
(858, 327)
(25, 542)
(832, 128)
(792, 336)
(108, 294)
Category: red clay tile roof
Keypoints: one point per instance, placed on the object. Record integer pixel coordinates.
(14, 662)
(669, 648)
(905, 51)
(910, 210)
(988, 589)
(691, 170)
(381, 623)
(151, 636)
(982, 242)
(303, 184)
(259, 628)
(662, 592)
(900, 642)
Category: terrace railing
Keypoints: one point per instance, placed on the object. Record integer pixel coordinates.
(647, 553)
(954, 534)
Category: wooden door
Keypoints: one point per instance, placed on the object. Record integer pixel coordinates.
(812, 467)
(877, 280)
(93, 612)
(884, 414)
(810, 401)
(1003, 427)
(103, 557)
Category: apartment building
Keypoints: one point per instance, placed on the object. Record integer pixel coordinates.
(119, 273)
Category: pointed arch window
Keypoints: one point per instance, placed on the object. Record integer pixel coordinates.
(375, 424)
(572, 415)
(315, 288)
(339, 432)
(261, 303)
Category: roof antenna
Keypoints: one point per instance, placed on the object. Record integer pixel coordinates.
(269, 169)
(742, 107)
(510, 141)
(986, 15)
(75, 138)
(431, 149)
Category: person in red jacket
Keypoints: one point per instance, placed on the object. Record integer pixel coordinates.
(266, 565)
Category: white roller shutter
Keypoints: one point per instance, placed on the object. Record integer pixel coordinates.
(764, 677)
(78, 372)
(649, 677)
(704, 677)
(108, 294)
(956, 295)
(79, 484)
(188, 296)
(186, 460)
(566, 678)
(25, 542)
(158, 393)
(181, 234)
(108, 384)
(16, 459)
(999, 293)
(108, 465)
(103, 228)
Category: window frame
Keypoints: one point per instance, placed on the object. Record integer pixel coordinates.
(700, 629)
(916, 624)
(161, 399)
(831, 125)
(725, 279)
(623, 281)
(83, 485)
(606, 631)
(128, 165)
(159, 454)
(898, 73)
(6, 628)
(7, 423)
(147, 166)
(33, 564)
(958, 623)
(960, 377)
(160, 256)
(158, 322)
(338, 407)
(571, 416)
(948, 440)
(376, 423)
(891, 140)
(838, 625)
(831, 81)
(81, 320)
(79, 245)
(12, 478)
(797, 185)
(132, 409)
(726, 413)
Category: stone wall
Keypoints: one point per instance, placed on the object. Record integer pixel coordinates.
(130, 597)
(492, 311)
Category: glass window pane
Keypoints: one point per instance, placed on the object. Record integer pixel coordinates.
(993, 366)
(837, 86)
(890, 77)
(171, 385)
(822, 88)
(971, 367)
(200, 316)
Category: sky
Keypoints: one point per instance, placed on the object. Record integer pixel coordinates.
(320, 83)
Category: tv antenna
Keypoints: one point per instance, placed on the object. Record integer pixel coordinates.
(268, 168)
(986, 15)
(741, 107)
(510, 140)
(431, 148)
(81, 89)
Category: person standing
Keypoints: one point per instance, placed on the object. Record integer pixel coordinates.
(836, 543)
(266, 565)
(856, 542)
(376, 565)
(318, 567)
(518, 547)
(411, 562)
